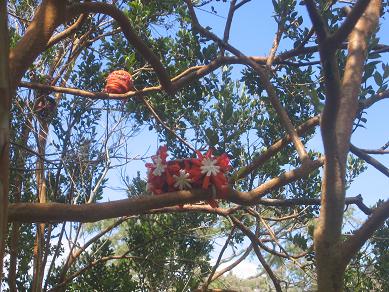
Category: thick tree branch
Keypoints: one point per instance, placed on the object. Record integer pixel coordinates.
(337, 121)
(55, 212)
(50, 14)
(354, 243)
(357, 200)
(130, 34)
(5, 103)
(348, 25)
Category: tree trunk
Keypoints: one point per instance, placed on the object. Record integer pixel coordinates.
(4, 129)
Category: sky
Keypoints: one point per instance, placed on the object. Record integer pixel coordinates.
(252, 32)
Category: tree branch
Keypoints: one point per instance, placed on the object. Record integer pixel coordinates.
(55, 212)
(337, 121)
(262, 260)
(348, 25)
(375, 98)
(373, 162)
(167, 128)
(273, 149)
(5, 105)
(48, 17)
(130, 34)
(67, 32)
(354, 243)
(319, 25)
(216, 265)
(234, 264)
(265, 80)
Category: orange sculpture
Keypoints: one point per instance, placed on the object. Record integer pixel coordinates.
(119, 82)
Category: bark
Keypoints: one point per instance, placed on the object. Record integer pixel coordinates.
(4, 130)
(49, 15)
(336, 126)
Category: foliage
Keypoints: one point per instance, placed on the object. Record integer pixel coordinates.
(91, 141)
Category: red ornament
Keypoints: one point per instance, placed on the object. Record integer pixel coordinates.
(183, 174)
(119, 82)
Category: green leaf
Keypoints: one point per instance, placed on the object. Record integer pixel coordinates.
(378, 78)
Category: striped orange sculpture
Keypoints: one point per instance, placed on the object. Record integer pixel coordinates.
(119, 82)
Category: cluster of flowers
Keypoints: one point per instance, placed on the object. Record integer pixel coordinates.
(119, 82)
(202, 172)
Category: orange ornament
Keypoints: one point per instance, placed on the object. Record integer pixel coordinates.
(119, 82)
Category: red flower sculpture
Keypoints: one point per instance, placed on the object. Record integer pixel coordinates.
(119, 81)
(201, 172)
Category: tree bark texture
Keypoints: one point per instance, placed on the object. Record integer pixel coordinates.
(4, 129)
(336, 127)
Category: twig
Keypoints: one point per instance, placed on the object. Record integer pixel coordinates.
(216, 265)
(234, 264)
(157, 117)
(262, 260)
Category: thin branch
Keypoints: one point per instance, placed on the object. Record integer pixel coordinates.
(33, 152)
(375, 98)
(254, 241)
(273, 149)
(277, 38)
(89, 266)
(88, 94)
(216, 265)
(374, 151)
(234, 264)
(67, 32)
(158, 118)
(227, 28)
(241, 3)
(305, 40)
(373, 162)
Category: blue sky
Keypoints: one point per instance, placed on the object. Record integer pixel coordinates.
(252, 32)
